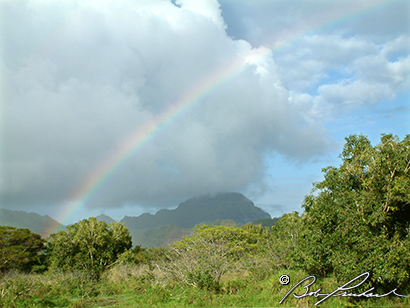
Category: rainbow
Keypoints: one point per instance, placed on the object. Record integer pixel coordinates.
(140, 137)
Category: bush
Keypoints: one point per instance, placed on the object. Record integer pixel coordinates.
(21, 249)
(135, 255)
(89, 245)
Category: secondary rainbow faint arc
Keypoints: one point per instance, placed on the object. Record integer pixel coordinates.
(141, 136)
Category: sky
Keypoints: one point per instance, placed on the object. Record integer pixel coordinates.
(126, 107)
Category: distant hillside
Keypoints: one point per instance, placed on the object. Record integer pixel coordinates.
(162, 236)
(105, 218)
(166, 226)
(204, 209)
(165, 235)
(43, 225)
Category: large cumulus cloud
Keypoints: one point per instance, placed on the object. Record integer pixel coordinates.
(81, 77)
(333, 56)
(260, 21)
(339, 75)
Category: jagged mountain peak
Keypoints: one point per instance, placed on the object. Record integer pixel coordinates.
(201, 209)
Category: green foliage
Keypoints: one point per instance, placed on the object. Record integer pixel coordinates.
(162, 236)
(128, 286)
(166, 235)
(88, 245)
(21, 249)
(283, 244)
(202, 259)
(135, 255)
(358, 217)
(49, 289)
(266, 222)
(203, 279)
(226, 223)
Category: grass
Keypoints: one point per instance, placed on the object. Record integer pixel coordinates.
(136, 286)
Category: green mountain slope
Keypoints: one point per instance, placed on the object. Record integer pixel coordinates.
(161, 236)
(43, 225)
(164, 235)
(204, 209)
(163, 228)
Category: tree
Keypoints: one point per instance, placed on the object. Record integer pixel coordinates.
(202, 259)
(135, 255)
(358, 218)
(282, 246)
(20, 249)
(88, 245)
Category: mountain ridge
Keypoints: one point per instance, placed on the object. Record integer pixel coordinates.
(107, 219)
(163, 227)
(200, 209)
(40, 224)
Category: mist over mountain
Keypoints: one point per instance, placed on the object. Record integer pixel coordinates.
(203, 209)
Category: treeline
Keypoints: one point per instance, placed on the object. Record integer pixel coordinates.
(356, 220)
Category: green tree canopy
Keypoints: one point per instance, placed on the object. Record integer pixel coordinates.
(88, 245)
(282, 246)
(358, 218)
(20, 249)
(212, 251)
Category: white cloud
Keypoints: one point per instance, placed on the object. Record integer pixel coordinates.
(260, 22)
(84, 76)
(340, 74)
(333, 56)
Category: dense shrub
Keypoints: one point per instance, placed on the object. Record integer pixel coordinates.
(21, 249)
(89, 245)
(135, 255)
